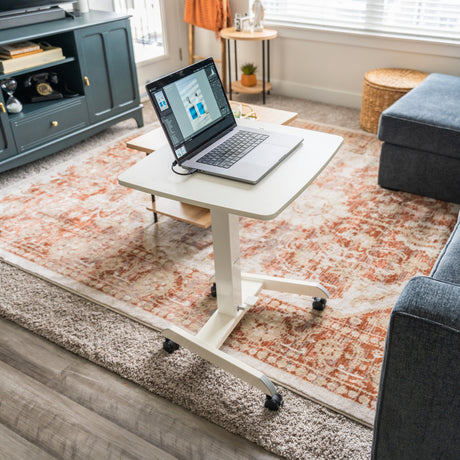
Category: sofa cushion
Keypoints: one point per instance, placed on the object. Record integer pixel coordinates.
(426, 118)
(447, 267)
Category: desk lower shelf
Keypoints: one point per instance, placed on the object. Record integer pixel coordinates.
(201, 217)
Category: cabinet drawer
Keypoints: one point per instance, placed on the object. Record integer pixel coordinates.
(42, 126)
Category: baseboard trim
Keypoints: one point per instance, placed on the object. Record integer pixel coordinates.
(316, 93)
(309, 92)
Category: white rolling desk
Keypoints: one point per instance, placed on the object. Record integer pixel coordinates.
(227, 200)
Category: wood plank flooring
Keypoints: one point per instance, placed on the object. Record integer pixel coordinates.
(54, 404)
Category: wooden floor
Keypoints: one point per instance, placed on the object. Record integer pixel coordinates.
(54, 404)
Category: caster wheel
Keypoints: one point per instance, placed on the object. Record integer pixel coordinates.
(170, 346)
(214, 290)
(319, 303)
(274, 402)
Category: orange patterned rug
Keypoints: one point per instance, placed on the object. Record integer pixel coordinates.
(78, 228)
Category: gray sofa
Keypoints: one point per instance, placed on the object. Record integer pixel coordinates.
(421, 134)
(418, 407)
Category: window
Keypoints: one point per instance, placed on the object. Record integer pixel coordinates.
(439, 19)
(146, 27)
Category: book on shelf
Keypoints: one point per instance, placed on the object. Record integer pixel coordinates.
(7, 56)
(12, 49)
(48, 55)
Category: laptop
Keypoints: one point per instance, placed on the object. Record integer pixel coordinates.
(198, 122)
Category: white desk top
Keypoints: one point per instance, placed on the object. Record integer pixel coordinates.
(264, 200)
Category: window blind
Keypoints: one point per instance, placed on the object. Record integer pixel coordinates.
(422, 18)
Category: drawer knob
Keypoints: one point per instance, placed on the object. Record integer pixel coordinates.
(86, 80)
(54, 123)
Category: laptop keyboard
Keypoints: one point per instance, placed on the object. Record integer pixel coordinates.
(233, 149)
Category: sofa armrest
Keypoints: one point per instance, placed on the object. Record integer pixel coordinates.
(432, 300)
(418, 407)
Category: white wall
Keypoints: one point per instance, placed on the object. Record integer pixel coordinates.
(329, 66)
(102, 5)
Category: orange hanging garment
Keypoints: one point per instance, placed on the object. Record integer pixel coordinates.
(208, 14)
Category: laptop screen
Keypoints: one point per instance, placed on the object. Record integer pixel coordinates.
(192, 107)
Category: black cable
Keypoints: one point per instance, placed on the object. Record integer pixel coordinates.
(188, 173)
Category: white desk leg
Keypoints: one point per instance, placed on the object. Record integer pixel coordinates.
(195, 344)
(226, 243)
(307, 288)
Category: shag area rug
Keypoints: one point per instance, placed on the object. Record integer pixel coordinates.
(76, 227)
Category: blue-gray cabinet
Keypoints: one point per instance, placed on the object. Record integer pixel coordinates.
(107, 64)
(97, 77)
(7, 147)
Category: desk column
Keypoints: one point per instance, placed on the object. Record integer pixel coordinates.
(263, 36)
(226, 244)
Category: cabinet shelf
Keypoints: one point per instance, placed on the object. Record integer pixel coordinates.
(36, 68)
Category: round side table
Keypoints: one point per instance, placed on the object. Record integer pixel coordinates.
(263, 36)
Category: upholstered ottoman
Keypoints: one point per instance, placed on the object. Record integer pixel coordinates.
(421, 134)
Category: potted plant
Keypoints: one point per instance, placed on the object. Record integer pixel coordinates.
(248, 77)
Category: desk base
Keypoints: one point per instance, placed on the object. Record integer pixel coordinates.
(212, 335)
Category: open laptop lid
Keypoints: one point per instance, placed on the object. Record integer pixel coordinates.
(192, 107)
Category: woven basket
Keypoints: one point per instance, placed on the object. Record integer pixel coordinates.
(383, 87)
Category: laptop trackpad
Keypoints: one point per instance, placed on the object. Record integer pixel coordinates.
(267, 154)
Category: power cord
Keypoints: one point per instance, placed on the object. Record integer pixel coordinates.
(188, 173)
